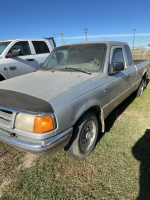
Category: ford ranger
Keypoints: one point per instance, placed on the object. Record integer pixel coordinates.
(65, 103)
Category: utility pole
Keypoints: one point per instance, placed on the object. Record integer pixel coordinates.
(62, 37)
(133, 37)
(85, 33)
(139, 49)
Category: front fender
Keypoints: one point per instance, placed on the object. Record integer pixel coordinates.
(70, 113)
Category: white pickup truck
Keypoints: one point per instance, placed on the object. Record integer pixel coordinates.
(22, 56)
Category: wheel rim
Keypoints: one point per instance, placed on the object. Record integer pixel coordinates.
(142, 88)
(88, 135)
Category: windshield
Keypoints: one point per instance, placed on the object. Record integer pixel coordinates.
(85, 57)
(3, 45)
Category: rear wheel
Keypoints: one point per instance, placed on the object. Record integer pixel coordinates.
(141, 88)
(84, 136)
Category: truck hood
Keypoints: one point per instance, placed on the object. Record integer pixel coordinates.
(47, 85)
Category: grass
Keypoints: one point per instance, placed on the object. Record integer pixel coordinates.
(118, 168)
(136, 57)
(10, 158)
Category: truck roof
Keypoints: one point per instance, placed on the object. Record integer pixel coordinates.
(22, 39)
(93, 42)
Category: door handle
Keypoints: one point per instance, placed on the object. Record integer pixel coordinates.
(128, 75)
(30, 59)
(13, 68)
(105, 89)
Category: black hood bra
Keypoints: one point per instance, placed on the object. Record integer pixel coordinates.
(24, 102)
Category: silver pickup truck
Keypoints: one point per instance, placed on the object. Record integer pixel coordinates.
(65, 103)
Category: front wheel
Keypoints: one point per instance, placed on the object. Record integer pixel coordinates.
(84, 136)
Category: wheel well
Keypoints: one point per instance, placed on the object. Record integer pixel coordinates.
(145, 75)
(2, 78)
(145, 81)
(96, 110)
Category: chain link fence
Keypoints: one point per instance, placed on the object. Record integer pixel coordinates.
(141, 50)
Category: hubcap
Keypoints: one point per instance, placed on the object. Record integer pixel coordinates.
(142, 88)
(88, 135)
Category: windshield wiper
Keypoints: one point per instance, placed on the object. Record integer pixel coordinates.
(46, 68)
(78, 70)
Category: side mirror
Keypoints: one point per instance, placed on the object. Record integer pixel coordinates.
(15, 52)
(118, 66)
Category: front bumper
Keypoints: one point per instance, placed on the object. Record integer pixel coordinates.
(44, 147)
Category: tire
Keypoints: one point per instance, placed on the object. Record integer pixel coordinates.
(2, 78)
(84, 137)
(141, 88)
(145, 83)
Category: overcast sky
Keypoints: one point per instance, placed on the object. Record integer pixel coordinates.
(105, 20)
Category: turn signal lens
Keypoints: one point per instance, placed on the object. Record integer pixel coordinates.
(43, 124)
(34, 124)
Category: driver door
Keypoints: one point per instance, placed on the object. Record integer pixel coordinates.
(119, 83)
(22, 64)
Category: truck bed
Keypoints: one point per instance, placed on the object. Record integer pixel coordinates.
(138, 61)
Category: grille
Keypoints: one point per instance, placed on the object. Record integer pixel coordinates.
(7, 118)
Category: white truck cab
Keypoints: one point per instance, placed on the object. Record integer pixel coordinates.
(22, 56)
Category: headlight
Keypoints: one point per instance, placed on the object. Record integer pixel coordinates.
(34, 124)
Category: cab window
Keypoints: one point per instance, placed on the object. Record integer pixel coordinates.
(40, 47)
(23, 46)
(129, 55)
(116, 57)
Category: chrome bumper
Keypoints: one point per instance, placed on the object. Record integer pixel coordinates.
(45, 147)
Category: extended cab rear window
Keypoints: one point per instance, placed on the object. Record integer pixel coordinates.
(40, 47)
(129, 55)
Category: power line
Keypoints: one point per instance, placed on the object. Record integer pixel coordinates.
(139, 41)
